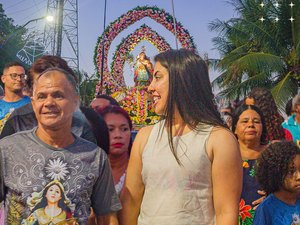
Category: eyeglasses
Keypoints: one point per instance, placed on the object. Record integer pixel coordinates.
(14, 76)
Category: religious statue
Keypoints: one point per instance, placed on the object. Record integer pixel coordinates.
(143, 70)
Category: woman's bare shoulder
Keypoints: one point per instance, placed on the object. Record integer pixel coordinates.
(222, 132)
(142, 137)
(221, 140)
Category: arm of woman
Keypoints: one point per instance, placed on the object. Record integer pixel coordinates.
(109, 219)
(223, 151)
(133, 190)
(258, 201)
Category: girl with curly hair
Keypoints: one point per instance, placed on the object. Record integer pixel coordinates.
(278, 172)
(263, 99)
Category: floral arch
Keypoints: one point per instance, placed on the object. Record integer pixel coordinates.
(113, 81)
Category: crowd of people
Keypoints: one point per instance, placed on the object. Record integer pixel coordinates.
(64, 163)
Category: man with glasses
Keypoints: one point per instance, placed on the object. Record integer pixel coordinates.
(13, 78)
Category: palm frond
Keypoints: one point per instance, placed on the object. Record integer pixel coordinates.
(237, 89)
(259, 61)
(258, 53)
(297, 51)
(284, 90)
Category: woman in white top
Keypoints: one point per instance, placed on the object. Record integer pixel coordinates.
(185, 169)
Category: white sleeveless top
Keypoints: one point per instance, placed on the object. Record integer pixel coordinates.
(174, 194)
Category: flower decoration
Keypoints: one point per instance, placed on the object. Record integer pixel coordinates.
(136, 102)
(244, 211)
(56, 169)
(114, 81)
(245, 164)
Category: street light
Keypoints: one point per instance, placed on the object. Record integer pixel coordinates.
(48, 18)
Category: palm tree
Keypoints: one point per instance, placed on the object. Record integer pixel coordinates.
(261, 47)
(87, 85)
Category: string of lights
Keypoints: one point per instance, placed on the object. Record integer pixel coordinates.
(277, 5)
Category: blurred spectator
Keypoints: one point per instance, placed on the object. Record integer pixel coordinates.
(293, 122)
(101, 101)
(289, 108)
(14, 79)
(226, 115)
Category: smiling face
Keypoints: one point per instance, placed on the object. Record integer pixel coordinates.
(13, 85)
(159, 88)
(54, 100)
(249, 126)
(119, 133)
(53, 194)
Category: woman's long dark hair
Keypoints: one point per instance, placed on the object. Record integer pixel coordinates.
(61, 203)
(189, 92)
(98, 127)
(264, 100)
(236, 115)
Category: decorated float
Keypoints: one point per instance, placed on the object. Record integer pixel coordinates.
(135, 100)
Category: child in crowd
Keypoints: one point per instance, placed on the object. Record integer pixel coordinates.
(278, 172)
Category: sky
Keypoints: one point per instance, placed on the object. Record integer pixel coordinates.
(194, 15)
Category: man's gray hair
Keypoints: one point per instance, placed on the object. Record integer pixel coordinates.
(69, 77)
(296, 100)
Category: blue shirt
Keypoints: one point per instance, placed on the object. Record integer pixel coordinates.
(273, 211)
(294, 127)
(6, 108)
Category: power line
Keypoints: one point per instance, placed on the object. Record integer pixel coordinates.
(19, 11)
(14, 4)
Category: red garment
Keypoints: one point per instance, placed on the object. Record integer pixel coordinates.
(287, 134)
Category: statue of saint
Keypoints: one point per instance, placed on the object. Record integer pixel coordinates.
(143, 70)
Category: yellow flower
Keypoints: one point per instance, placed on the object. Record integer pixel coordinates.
(245, 164)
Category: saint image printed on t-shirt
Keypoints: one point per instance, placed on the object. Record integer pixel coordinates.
(50, 206)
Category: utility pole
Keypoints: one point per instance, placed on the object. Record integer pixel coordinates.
(64, 34)
(60, 8)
